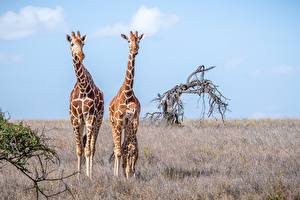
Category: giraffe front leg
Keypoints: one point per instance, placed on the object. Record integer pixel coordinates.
(78, 130)
(93, 149)
(87, 149)
(117, 130)
(135, 155)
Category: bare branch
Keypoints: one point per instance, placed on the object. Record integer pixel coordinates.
(170, 105)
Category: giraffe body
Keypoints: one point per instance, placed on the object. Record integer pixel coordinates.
(124, 111)
(86, 107)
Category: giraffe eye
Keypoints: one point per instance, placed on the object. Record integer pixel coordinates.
(72, 44)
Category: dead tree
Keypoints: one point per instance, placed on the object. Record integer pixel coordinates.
(170, 106)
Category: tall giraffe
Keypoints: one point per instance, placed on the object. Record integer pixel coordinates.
(86, 106)
(124, 111)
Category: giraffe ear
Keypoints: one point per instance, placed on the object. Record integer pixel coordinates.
(141, 37)
(83, 38)
(124, 36)
(69, 39)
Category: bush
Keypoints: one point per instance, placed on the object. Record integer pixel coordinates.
(18, 144)
(21, 147)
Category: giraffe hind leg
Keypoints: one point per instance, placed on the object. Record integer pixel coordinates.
(128, 149)
(134, 152)
(134, 160)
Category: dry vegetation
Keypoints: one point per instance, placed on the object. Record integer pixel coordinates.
(244, 159)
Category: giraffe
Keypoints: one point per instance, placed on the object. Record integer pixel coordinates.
(124, 111)
(86, 106)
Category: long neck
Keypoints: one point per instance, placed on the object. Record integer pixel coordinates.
(129, 77)
(83, 77)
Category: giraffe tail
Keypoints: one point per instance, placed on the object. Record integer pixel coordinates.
(112, 156)
(84, 140)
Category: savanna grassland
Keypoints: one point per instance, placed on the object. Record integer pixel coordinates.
(241, 159)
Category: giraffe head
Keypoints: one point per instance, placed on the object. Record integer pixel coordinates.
(133, 40)
(77, 43)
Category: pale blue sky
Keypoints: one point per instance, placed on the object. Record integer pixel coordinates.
(254, 44)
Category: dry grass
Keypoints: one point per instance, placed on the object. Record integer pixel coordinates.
(243, 159)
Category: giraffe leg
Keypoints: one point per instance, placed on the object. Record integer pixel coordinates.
(90, 166)
(78, 130)
(117, 130)
(87, 164)
(130, 158)
(87, 149)
(126, 157)
(134, 160)
(93, 149)
(135, 155)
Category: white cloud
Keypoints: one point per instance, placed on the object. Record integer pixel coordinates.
(10, 58)
(146, 20)
(29, 20)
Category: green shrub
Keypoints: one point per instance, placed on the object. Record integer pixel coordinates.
(18, 143)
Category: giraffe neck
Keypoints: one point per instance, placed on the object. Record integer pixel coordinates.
(129, 77)
(83, 78)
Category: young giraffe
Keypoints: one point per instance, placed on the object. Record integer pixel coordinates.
(124, 111)
(86, 106)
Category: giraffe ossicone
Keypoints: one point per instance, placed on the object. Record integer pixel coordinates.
(124, 112)
(86, 105)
